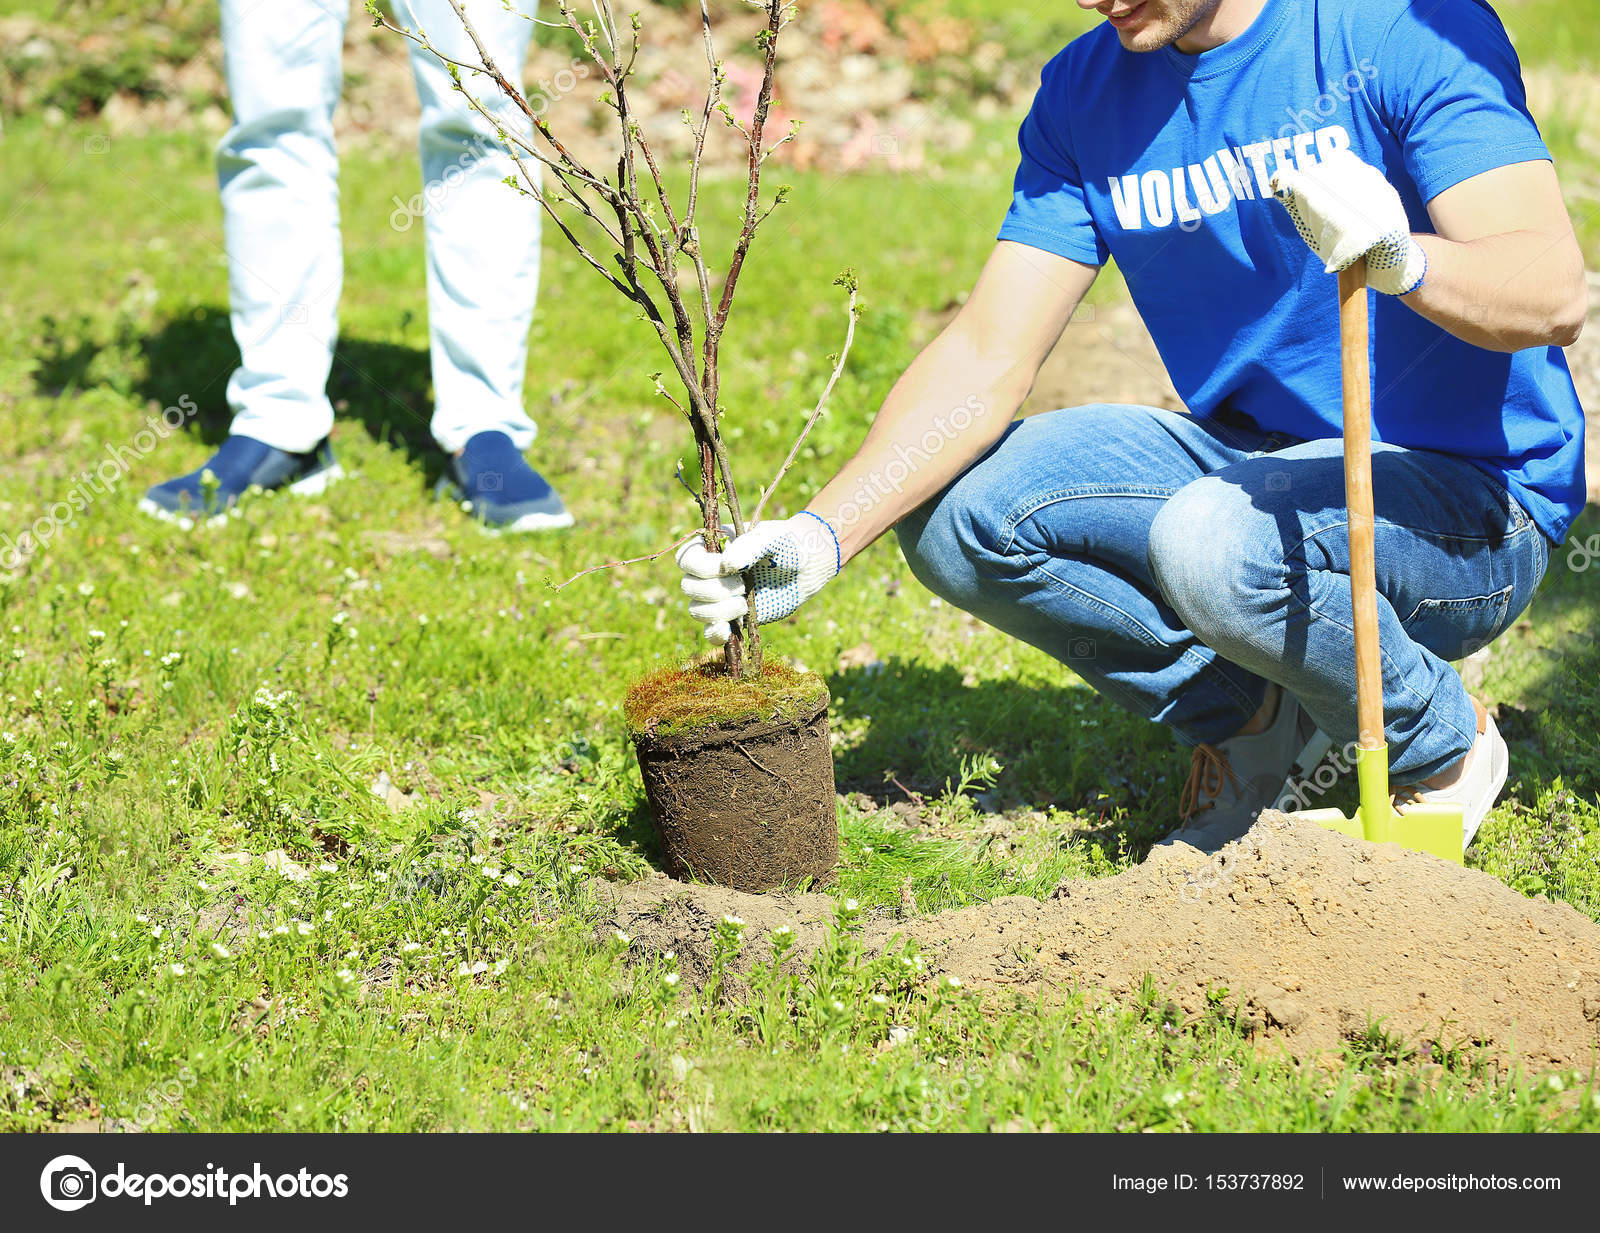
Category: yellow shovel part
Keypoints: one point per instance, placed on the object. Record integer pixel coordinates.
(1436, 829)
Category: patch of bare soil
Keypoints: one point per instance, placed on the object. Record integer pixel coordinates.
(1313, 935)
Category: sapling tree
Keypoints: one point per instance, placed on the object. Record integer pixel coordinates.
(657, 258)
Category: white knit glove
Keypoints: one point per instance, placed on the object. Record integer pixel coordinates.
(789, 561)
(1345, 210)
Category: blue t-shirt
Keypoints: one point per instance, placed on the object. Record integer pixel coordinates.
(1161, 160)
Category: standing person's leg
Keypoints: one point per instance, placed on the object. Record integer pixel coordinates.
(483, 264)
(1255, 559)
(278, 174)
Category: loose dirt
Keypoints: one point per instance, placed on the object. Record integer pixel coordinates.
(1313, 935)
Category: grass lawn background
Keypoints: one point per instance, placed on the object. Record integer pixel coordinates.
(171, 702)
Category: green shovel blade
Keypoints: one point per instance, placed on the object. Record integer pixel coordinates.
(1435, 829)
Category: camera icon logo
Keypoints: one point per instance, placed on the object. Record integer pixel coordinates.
(491, 481)
(1082, 648)
(68, 1183)
(1278, 481)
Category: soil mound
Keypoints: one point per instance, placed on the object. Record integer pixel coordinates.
(1312, 934)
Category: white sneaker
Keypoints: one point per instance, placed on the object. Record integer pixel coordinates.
(1231, 783)
(1478, 789)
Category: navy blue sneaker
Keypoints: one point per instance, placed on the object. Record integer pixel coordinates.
(495, 484)
(238, 464)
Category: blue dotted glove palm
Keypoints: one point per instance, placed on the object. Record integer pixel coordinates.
(788, 560)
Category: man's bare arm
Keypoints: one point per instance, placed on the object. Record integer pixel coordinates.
(959, 395)
(1505, 271)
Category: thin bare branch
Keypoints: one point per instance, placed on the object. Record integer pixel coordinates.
(713, 94)
(769, 39)
(687, 487)
(595, 569)
(848, 281)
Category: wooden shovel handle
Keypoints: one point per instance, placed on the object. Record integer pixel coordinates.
(1355, 363)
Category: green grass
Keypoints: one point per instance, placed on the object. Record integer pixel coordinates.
(181, 705)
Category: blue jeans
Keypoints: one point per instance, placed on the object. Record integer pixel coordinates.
(1179, 564)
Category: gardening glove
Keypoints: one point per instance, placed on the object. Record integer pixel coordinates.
(788, 560)
(1345, 210)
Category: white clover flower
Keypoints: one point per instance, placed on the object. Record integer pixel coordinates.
(953, 981)
(479, 968)
(339, 618)
(476, 858)
(732, 921)
(492, 872)
(410, 948)
(879, 1000)
(620, 938)
(156, 931)
(575, 870)
(177, 969)
(838, 1007)
(97, 635)
(305, 928)
(86, 589)
(283, 929)
(326, 915)
(327, 867)
(850, 905)
(262, 934)
(669, 979)
(345, 975)
(422, 618)
(782, 931)
(512, 879)
(221, 951)
(382, 875)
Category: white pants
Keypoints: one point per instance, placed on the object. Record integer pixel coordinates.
(279, 177)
